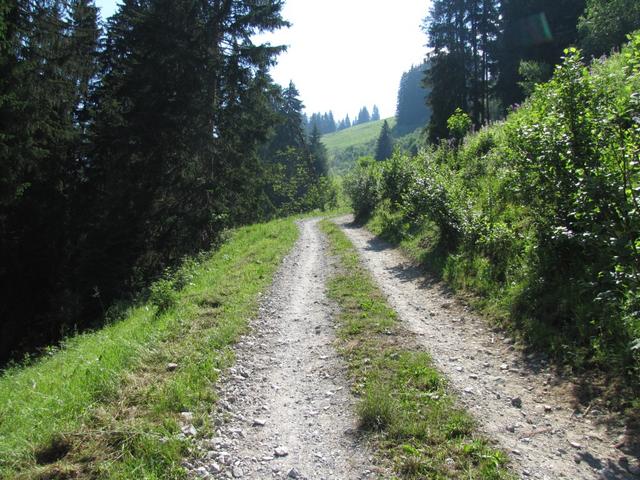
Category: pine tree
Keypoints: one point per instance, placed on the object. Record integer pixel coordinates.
(183, 105)
(412, 110)
(384, 144)
(318, 153)
(536, 30)
(47, 61)
(462, 34)
(375, 114)
(363, 116)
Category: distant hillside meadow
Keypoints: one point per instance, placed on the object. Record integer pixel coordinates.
(346, 146)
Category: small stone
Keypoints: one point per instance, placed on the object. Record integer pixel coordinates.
(575, 445)
(548, 408)
(459, 369)
(634, 469)
(516, 452)
(259, 422)
(473, 376)
(281, 452)
(504, 366)
(468, 390)
(202, 472)
(237, 472)
(214, 468)
(187, 416)
(293, 473)
(171, 367)
(511, 428)
(516, 402)
(189, 430)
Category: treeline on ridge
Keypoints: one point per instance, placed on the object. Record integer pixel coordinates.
(325, 122)
(128, 145)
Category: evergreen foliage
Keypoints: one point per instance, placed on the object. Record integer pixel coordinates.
(122, 152)
(536, 30)
(375, 114)
(384, 144)
(363, 116)
(463, 36)
(411, 109)
(324, 122)
(537, 215)
(344, 123)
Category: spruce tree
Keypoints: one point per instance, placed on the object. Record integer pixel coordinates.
(375, 114)
(536, 30)
(412, 110)
(384, 144)
(363, 116)
(319, 154)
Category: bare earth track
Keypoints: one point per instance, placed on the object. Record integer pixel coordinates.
(285, 409)
(518, 400)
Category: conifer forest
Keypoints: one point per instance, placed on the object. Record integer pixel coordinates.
(201, 277)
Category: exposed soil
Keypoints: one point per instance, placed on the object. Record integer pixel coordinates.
(285, 409)
(519, 400)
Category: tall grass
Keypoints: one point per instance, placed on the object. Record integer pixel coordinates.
(105, 404)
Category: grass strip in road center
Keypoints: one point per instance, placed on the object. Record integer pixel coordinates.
(404, 402)
(108, 403)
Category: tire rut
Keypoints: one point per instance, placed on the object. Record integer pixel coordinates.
(518, 400)
(285, 408)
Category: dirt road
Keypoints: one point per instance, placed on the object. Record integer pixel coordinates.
(518, 400)
(286, 410)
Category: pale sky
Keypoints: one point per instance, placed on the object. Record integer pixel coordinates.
(346, 54)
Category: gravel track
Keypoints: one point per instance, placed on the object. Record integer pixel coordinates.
(517, 399)
(285, 408)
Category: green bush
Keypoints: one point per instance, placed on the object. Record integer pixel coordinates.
(163, 295)
(539, 214)
(363, 187)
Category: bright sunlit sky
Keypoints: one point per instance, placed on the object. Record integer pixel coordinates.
(345, 54)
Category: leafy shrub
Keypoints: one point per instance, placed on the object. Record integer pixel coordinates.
(459, 124)
(363, 187)
(396, 177)
(163, 295)
(539, 214)
(432, 194)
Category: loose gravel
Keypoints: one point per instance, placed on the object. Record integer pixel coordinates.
(517, 399)
(285, 408)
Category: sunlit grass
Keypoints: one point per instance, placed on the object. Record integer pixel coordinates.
(106, 405)
(404, 401)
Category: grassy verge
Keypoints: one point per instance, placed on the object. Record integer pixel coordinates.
(404, 401)
(107, 404)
